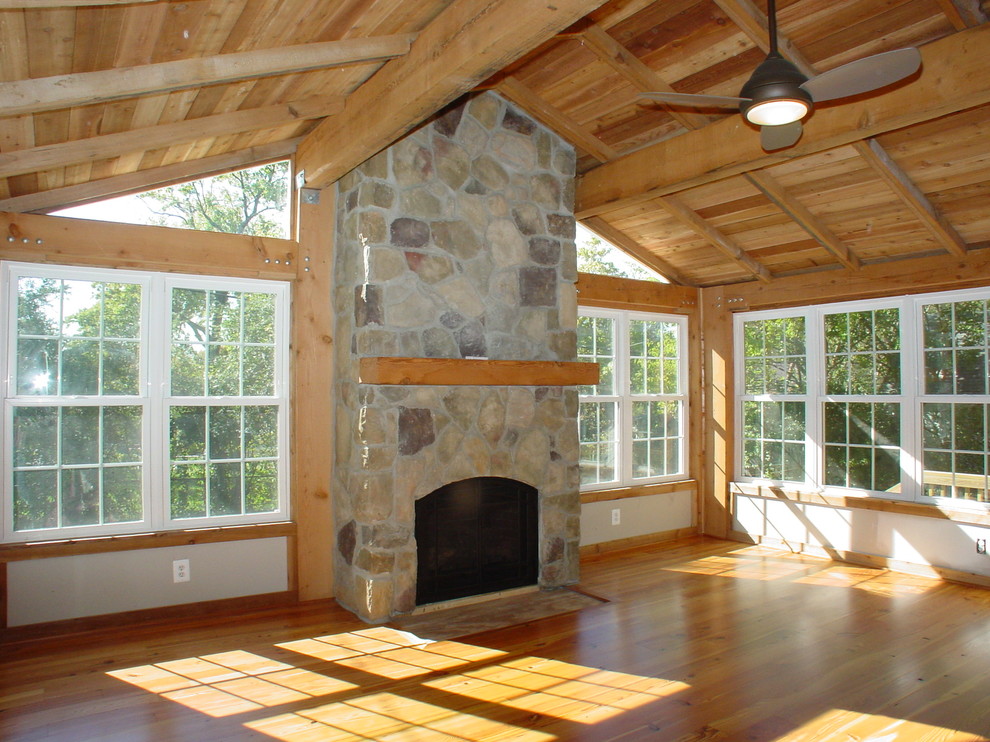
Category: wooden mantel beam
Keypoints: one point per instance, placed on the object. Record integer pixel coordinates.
(467, 43)
(954, 76)
(82, 88)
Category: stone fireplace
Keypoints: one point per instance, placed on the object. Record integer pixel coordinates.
(457, 243)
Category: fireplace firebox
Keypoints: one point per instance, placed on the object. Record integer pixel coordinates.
(476, 536)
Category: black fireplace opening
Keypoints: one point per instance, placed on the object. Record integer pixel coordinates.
(476, 536)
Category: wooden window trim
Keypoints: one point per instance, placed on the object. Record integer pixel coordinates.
(900, 507)
(16, 552)
(639, 490)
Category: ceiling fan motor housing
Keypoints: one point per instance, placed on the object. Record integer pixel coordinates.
(775, 79)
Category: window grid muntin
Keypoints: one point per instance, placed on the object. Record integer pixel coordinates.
(154, 376)
(624, 399)
(912, 398)
(951, 483)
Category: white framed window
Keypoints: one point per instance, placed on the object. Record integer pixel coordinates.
(138, 401)
(885, 398)
(632, 425)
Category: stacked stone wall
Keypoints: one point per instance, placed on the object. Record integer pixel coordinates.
(457, 242)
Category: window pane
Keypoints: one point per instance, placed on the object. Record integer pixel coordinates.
(863, 352)
(35, 500)
(863, 442)
(261, 431)
(35, 436)
(188, 433)
(189, 370)
(122, 494)
(81, 497)
(121, 434)
(189, 315)
(595, 345)
(80, 367)
(225, 489)
(187, 491)
(259, 371)
(79, 445)
(260, 487)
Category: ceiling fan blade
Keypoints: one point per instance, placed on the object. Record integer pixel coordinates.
(864, 75)
(697, 101)
(778, 137)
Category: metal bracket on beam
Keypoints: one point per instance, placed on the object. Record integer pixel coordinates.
(309, 195)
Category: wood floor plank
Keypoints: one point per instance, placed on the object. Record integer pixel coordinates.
(701, 640)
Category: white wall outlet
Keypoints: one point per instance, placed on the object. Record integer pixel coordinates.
(981, 546)
(180, 570)
(616, 516)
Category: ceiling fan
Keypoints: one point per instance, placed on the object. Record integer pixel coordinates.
(778, 95)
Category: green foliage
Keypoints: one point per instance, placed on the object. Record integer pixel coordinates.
(595, 256)
(242, 202)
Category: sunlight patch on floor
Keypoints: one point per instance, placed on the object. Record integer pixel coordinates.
(840, 724)
(472, 704)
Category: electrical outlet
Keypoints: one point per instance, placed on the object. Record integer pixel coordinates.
(616, 516)
(180, 570)
(981, 546)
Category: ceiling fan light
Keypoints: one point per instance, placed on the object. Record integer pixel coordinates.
(777, 112)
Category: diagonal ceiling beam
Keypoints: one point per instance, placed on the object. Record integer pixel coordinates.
(628, 245)
(556, 119)
(963, 13)
(754, 24)
(799, 213)
(165, 135)
(899, 181)
(630, 67)
(464, 45)
(954, 77)
(146, 180)
(83, 88)
(725, 244)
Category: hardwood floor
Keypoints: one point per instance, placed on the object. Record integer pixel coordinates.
(701, 640)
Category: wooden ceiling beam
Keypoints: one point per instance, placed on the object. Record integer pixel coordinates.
(963, 13)
(874, 280)
(905, 188)
(635, 250)
(165, 135)
(799, 213)
(556, 119)
(83, 88)
(465, 44)
(34, 4)
(954, 77)
(754, 25)
(725, 244)
(641, 76)
(146, 180)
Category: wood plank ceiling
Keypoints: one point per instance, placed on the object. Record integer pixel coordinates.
(901, 173)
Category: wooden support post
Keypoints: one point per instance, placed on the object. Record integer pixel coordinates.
(719, 424)
(312, 407)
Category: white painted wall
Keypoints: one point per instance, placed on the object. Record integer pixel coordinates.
(42, 590)
(905, 538)
(638, 516)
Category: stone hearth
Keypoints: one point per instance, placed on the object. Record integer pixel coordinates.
(456, 242)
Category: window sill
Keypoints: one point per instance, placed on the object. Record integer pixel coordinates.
(900, 507)
(15, 552)
(641, 490)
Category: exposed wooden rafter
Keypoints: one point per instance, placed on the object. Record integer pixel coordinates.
(754, 24)
(143, 180)
(467, 43)
(628, 65)
(963, 13)
(563, 124)
(725, 244)
(799, 213)
(82, 88)
(165, 135)
(954, 77)
(909, 193)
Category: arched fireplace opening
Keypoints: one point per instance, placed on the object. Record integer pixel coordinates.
(476, 536)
